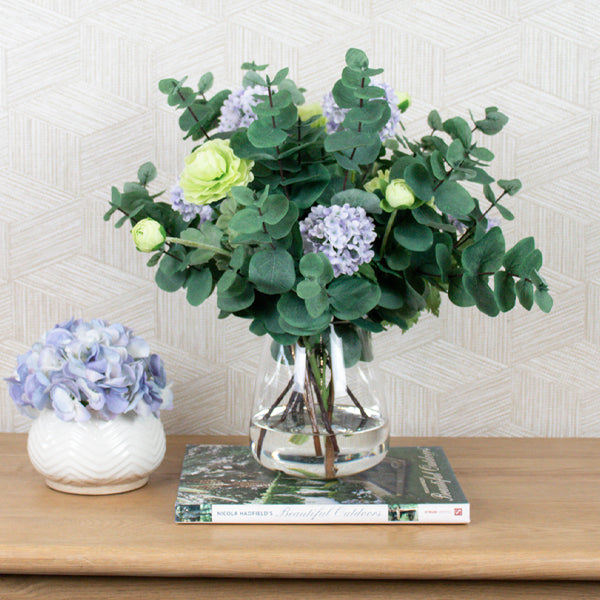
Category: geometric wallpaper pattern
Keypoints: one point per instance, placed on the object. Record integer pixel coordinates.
(80, 111)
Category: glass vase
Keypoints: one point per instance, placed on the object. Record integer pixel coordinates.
(317, 411)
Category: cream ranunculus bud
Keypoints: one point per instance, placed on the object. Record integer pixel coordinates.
(148, 235)
(404, 101)
(399, 195)
(211, 171)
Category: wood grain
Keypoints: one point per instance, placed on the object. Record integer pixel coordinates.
(534, 516)
(14, 587)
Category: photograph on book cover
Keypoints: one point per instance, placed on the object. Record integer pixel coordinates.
(225, 484)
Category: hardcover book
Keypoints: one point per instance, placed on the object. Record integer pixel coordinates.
(224, 484)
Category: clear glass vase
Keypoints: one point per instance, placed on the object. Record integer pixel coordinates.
(317, 412)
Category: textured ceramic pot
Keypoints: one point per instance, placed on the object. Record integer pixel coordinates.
(96, 457)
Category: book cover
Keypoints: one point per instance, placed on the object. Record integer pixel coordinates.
(224, 484)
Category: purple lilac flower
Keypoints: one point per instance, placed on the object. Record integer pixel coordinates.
(78, 369)
(336, 115)
(187, 209)
(491, 223)
(461, 227)
(237, 110)
(344, 234)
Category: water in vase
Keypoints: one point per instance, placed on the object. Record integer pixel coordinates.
(287, 442)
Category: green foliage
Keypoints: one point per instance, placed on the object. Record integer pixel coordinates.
(146, 173)
(272, 271)
(252, 252)
(493, 123)
(486, 255)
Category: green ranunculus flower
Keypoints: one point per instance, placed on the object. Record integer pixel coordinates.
(313, 109)
(378, 183)
(398, 195)
(404, 101)
(148, 235)
(211, 171)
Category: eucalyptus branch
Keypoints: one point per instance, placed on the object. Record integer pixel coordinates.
(468, 234)
(492, 205)
(194, 115)
(360, 104)
(285, 189)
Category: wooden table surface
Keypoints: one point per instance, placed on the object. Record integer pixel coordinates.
(535, 510)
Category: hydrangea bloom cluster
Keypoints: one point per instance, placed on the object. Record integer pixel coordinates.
(237, 110)
(336, 115)
(80, 368)
(188, 210)
(345, 234)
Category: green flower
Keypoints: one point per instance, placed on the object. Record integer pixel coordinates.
(148, 235)
(378, 183)
(211, 171)
(313, 109)
(397, 195)
(404, 101)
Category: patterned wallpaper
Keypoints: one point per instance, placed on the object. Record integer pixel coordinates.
(80, 110)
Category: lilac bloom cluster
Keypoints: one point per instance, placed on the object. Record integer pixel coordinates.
(188, 210)
(345, 234)
(491, 222)
(336, 115)
(237, 110)
(80, 368)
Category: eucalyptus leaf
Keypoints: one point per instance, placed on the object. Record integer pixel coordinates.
(453, 199)
(486, 255)
(272, 271)
(413, 236)
(511, 186)
(262, 134)
(351, 298)
(525, 293)
(354, 197)
(544, 300)
(479, 289)
(199, 286)
(419, 180)
(146, 173)
(504, 290)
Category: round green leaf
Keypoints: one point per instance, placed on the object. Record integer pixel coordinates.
(419, 181)
(272, 271)
(413, 236)
(351, 297)
(451, 198)
(262, 134)
(199, 286)
(504, 290)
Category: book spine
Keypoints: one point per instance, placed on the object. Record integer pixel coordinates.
(339, 513)
(300, 513)
(443, 513)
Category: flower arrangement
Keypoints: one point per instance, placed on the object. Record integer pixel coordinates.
(80, 369)
(328, 221)
(298, 221)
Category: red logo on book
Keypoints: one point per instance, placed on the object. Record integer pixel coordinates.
(458, 512)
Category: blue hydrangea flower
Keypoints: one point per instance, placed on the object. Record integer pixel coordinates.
(237, 110)
(78, 369)
(345, 234)
(188, 210)
(336, 115)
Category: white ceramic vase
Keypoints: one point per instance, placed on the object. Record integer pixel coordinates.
(96, 457)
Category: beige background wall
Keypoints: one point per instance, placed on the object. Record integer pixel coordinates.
(80, 110)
